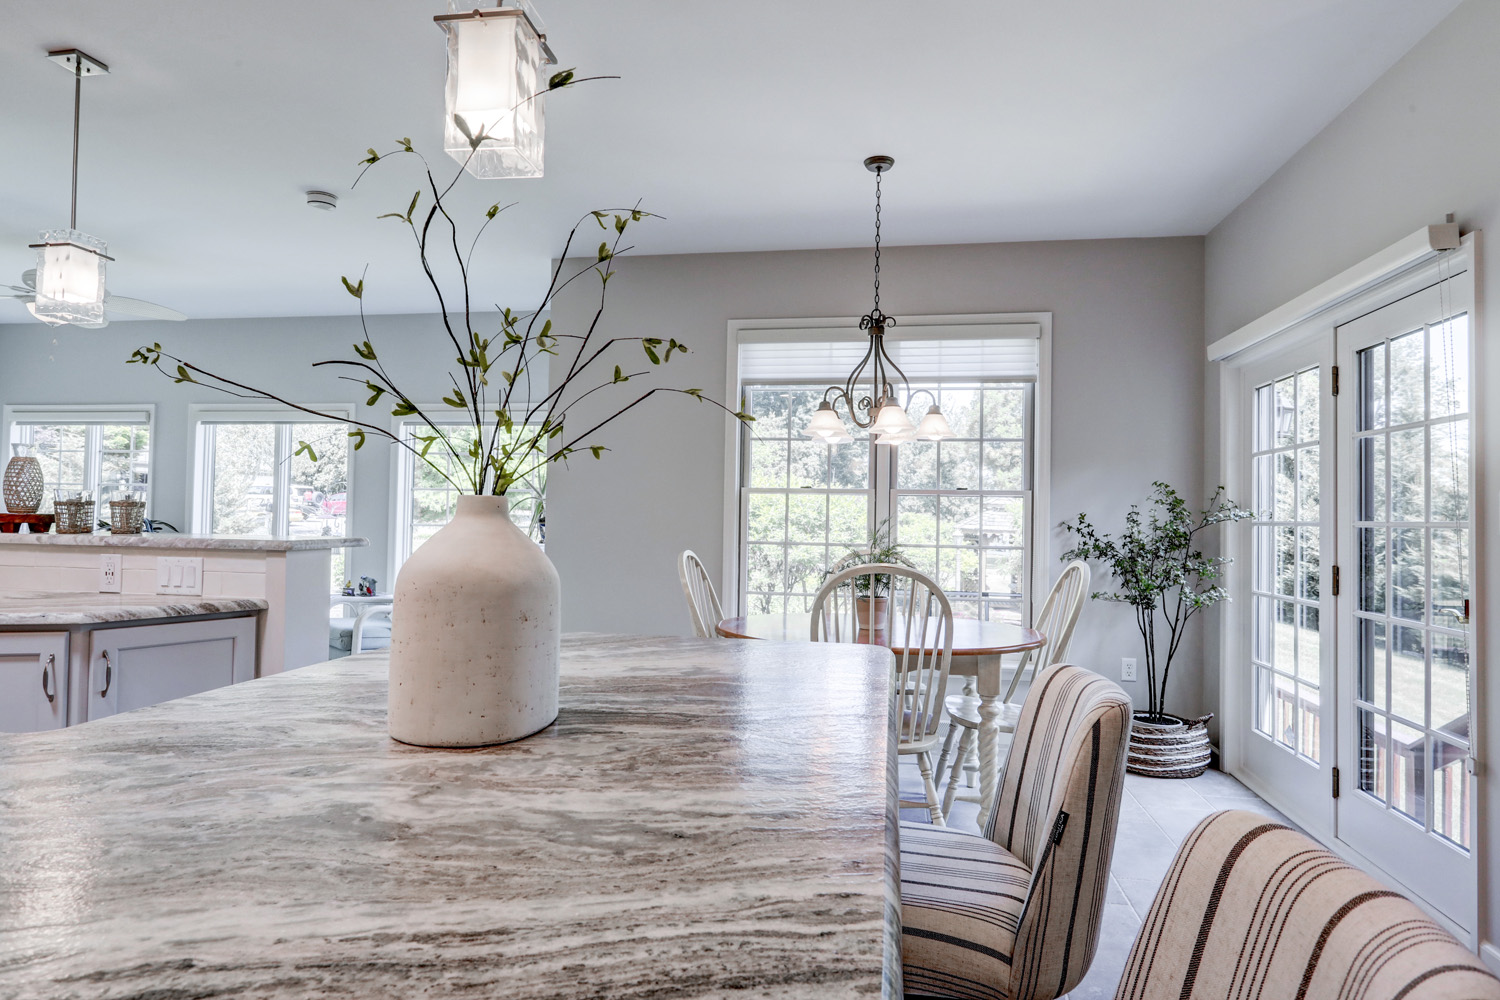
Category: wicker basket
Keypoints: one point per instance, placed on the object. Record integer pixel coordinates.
(1175, 749)
(23, 485)
(126, 517)
(74, 517)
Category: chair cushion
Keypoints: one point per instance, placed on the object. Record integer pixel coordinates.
(341, 633)
(961, 902)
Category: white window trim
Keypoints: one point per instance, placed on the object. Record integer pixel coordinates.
(965, 325)
(87, 413)
(200, 492)
(1314, 316)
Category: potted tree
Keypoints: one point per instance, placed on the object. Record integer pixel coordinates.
(1168, 580)
(872, 592)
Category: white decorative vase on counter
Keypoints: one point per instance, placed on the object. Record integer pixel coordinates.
(475, 635)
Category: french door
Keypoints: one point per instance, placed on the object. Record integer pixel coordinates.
(1406, 539)
(1355, 701)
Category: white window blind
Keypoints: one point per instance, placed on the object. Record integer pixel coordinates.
(1011, 351)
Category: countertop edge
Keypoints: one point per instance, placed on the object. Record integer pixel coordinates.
(168, 540)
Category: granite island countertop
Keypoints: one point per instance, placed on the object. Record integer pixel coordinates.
(177, 540)
(705, 819)
(64, 609)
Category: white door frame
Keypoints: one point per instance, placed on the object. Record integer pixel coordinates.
(1233, 472)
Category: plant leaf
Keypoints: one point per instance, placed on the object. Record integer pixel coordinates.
(303, 448)
(358, 291)
(560, 79)
(358, 434)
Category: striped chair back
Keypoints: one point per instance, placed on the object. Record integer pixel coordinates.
(1251, 908)
(1057, 810)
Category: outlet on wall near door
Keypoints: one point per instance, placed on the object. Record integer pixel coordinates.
(1127, 668)
(109, 573)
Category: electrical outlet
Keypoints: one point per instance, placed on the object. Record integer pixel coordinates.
(1127, 668)
(109, 573)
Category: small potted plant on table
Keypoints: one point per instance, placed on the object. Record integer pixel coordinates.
(872, 592)
(1162, 574)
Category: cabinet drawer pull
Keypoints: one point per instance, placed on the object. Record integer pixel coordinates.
(108, 673)
(47, 674)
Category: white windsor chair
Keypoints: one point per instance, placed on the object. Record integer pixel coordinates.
(703, 603)
(1057, 620)
(918, 620)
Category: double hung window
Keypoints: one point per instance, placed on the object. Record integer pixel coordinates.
(961, 510)
(104, 451)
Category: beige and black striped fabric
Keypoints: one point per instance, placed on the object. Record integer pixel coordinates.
(1015, 915)
(1252, 908)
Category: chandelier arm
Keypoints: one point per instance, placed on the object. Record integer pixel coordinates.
(852, 383)
(904, 380)
(912, 396)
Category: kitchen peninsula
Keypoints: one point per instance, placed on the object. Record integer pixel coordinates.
(704, 819)
(290, 576)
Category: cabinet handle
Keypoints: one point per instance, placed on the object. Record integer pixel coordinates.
(47, 669)
(108, 673)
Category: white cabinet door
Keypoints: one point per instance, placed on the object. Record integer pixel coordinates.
(33, 681)
(143, 665)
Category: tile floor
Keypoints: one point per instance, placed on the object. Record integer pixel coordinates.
(1155, 815)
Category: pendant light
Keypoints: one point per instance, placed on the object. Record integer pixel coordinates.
(70, 265)
(495, 88)
(881, 410)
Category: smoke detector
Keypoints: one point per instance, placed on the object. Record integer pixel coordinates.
(323, 201)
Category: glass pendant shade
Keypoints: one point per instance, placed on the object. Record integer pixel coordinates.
(495, 60)
(891, 421)
(934, 426)
(825, 422)
(70, 279)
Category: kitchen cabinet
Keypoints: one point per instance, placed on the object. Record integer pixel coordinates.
(141, 665)
(33, 681)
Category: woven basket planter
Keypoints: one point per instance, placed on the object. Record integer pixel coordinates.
(1174, 749)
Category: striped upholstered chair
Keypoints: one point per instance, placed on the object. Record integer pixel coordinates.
(1014, 914)
(1251, 908)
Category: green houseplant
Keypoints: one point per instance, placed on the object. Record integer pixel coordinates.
(872, 592)
(1166, 578)
(475, 638)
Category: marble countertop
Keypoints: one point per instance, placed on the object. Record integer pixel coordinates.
(40, 608)
(705, 819)
(173, 540)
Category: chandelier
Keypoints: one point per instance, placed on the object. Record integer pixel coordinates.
(495, 88)
(880, 409)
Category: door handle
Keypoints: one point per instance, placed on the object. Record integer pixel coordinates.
(47, 674)
(108, 673)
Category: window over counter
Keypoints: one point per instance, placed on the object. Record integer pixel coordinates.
(962, 510)
(252, 478)
(427, 489)
(101, 449)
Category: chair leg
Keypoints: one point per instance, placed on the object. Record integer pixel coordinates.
(942, 764)
(965, 744)
(934, 808)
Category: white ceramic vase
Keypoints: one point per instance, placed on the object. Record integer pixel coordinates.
(475, 634)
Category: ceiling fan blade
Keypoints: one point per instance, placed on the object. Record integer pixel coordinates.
(139, 307)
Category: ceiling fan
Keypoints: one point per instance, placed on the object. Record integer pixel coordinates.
(67, 285)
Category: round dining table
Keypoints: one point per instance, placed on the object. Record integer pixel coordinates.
(978, 650)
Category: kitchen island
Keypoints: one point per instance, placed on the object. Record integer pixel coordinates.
(705, 818)
(290, 575)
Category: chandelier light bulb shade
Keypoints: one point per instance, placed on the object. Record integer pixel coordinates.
(70, 279)
(934, 426)
(891, 420)
(825, 422)
(496, 85)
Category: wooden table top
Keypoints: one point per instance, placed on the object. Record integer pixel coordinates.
(674, 833)
(970, 636)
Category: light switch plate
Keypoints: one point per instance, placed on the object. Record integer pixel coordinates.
(179, 575)
(109, 573)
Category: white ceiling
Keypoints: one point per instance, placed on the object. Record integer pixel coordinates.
(743, 124)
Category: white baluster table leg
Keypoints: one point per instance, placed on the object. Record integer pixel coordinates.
(989, 734)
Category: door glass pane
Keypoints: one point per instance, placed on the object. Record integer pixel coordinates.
(1409, 771)
(1408, 574)
(1448, 367)
(1372, 474)
(1408, 378)
(1408, 674)
(1371, 660)
(1286, 563)
(1451, 795)
(1450, 684)
(1409, 474)
(1374, 754)
(1371, 543)
(1450, 471)
(1372, 388)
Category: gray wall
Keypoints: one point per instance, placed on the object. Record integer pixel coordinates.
(1422, 141)
(63, 365)
(1127, 391)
